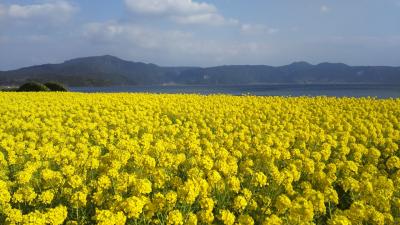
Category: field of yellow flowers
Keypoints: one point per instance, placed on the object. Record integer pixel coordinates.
(73, 158)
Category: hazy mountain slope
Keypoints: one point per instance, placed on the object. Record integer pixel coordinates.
(109, 70)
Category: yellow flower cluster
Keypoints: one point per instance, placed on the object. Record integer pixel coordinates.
(72, 158)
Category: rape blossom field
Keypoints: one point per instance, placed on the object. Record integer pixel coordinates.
(72, 158)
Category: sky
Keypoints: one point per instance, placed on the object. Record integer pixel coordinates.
(201, 32)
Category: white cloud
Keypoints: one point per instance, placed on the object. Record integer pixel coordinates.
(206, 18)
(180, 11)
(324, 9)
(131, 34)
(257, 29)
(168, 46)
(176, 7)
(56, 11)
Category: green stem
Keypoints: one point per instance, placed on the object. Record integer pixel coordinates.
(77, 214)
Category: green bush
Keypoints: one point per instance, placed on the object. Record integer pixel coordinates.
(9, 89)
(55, 86)
(32, 87)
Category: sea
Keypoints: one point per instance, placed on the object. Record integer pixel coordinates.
(336, 90)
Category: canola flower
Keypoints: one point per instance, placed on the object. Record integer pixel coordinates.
(72, 158)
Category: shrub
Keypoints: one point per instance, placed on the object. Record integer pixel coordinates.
(9, 89)
(53, 86)
(33, 87)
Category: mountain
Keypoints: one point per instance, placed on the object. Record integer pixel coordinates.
(90, 71)
(111, 71)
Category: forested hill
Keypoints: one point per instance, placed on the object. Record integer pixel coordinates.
(111, 71)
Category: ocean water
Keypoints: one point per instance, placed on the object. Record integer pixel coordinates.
(338, 90)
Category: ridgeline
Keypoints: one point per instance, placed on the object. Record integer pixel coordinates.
(112, 71)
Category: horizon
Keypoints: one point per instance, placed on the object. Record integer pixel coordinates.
(200, 33)
(166, 66)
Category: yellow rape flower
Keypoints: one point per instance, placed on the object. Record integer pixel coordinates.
(133, 206)
(339, 220)
(175, 217)
(273, 220)
(46, 197)
(240, 203)
(106, 217)
(189, 159)
(191, 219)
(227, 217)
(245, 220)
(283, 203)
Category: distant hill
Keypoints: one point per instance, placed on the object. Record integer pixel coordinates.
(111, 71)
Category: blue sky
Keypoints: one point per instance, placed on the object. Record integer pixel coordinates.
(201, 32)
